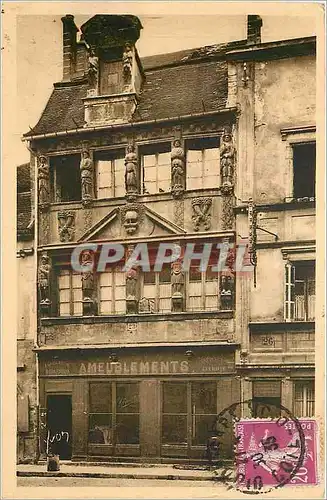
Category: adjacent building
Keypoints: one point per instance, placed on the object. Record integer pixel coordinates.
(199, 148)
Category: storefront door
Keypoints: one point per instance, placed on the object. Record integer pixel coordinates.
(59, 418)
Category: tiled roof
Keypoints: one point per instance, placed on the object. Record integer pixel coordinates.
(23, 178)
(180, 83)
(24, 201)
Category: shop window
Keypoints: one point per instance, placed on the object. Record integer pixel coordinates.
(110, 174)
(304, 170)
(266, 398)
(304, 398)
(65, 178)
(300, 293)
(128, 413)
(69, 293)
(203, 163)
(174, 418)
(204, 410)
(202, 289)
(113, 413)
(112, 291)
(156, 288)
(156, 168)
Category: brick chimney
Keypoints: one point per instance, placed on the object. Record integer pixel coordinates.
(254, 30)
(69, 46)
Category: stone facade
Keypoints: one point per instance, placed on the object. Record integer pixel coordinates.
(143, 191)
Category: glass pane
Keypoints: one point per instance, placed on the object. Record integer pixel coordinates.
(211, 154)
(106, 307)
(174, 398)
(119, 292)
(120, 278)
(105, 293)
(127, 429)
(77, 295)
(165, 290)
(64, 309)
(127, 398)
(150, 174)
(195, 304)
(77, 281)
(204, 397)
(149, 291)
(150, 187)
(64, 295)
(100, 429)
(100, 397)
(211, 303)
(164, 159)
(211, 275)
(149, 160)
(164, 184)
(63, 280)
(194, 170)
(77, 309)
(149, 278)
(211, 181)
(174, 429)
(105, 279)
(195, 183)
(165, 274)
(195, 289)
(202, 426)
(299, 307)
(104, 193)
(120, 306)
(165, 305)
(194, 155)
(195, 274)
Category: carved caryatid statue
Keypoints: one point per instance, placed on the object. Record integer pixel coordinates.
(177, 169)
(44, 276)
(87, 175)
(93, 70)
(131, 284)
(87, 276)
(43, 182)
(127, 61)
(131, 170)
(227, 159)
(177, 286)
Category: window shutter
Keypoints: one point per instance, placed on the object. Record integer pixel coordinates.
(23, 414)
(289, 292)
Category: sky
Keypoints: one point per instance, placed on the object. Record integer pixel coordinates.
(39, 50)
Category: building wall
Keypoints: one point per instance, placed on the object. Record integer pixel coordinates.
(26, 359)
(285, 96)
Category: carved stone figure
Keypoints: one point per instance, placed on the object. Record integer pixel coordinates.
(132, 216)
(201, 214)
(177, 169)
(87, 175)
(131, 171)
(227, 160)
(87, 276)
(146, 305)
(66, 225)
(177, 286)
(93, 70)
(43, 182)
(226, 291)
(131, 285)
(44, 276)
(127, 61)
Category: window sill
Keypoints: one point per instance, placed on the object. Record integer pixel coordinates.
(139, 318)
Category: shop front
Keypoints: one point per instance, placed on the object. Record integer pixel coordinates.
(156, 404)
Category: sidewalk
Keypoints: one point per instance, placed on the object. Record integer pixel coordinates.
(128, 471)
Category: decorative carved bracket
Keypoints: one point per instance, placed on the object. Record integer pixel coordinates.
(201, 213)
(132, 215)
(66, 225)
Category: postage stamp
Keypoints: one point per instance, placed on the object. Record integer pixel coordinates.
(272, 447)
(267, 453)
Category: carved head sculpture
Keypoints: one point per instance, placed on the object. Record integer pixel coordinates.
(44, 259)
(43, 160)
(227, 135)
(177, 143)
(131, 221)
(86, 258)
(85, 154)
(176, 267)
(130, 148)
